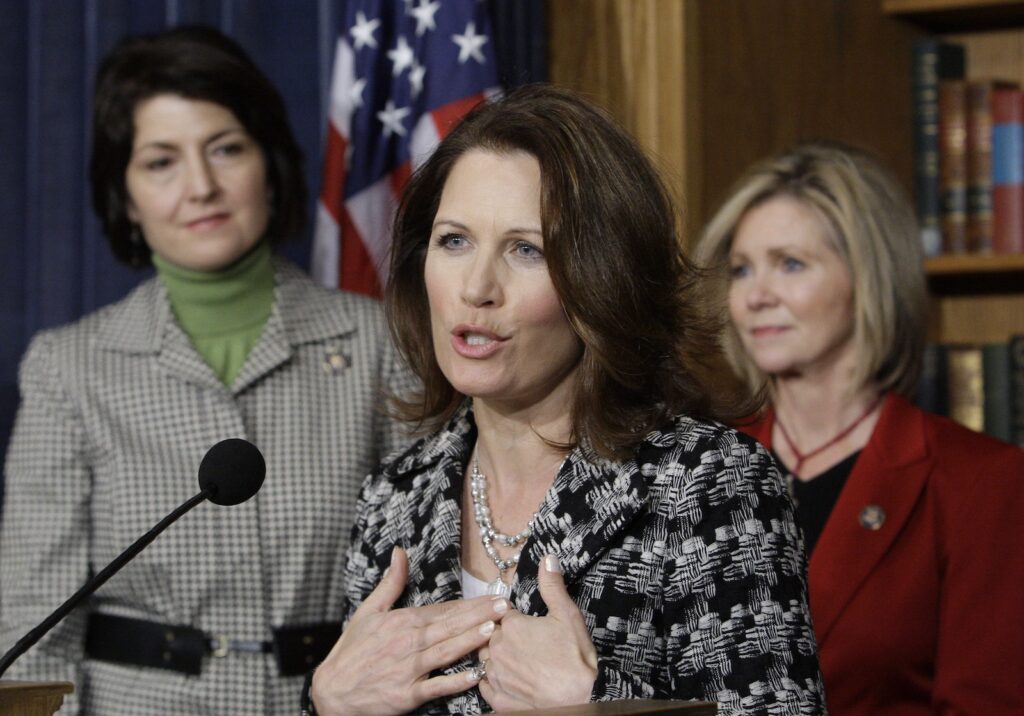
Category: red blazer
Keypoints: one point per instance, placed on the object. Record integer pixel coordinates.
(917, 581)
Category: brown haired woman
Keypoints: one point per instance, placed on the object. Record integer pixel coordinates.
(574, 528)
(916, 563)
(194, 169)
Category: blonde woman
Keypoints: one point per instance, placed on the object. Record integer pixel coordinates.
(909, 519)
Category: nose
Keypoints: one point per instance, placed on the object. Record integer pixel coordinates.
(760, 293)
(202, 180)
(481, 282)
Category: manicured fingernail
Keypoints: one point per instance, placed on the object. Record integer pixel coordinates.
(500, 605)
(551, 564)
(487, 628)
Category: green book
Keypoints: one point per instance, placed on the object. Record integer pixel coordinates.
(996, 380)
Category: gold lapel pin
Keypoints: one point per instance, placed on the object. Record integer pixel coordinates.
(872, 517)
(335, 361)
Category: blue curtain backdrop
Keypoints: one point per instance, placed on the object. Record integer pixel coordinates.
(54, 262)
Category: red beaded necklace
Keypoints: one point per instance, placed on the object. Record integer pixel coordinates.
(802, 457)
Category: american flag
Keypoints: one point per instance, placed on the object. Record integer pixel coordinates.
(404, 72)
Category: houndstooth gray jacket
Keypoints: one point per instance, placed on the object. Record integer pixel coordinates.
(685, 562)
(117, 411)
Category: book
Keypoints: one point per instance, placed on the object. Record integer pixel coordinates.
(932, 385)
(1007, 170)
(979, 166)
(1016, 367)
(953, 165)
(995, 358)
(966, 393)
(933, 61)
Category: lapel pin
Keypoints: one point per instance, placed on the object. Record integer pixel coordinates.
(872, 517)
(335, 361)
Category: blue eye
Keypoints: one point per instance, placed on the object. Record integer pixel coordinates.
(739, 271)
(791, 264)
(451, 241)
(526, 250)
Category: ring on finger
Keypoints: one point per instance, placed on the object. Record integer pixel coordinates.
(479, 671)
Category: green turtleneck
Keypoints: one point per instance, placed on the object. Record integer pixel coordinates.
(223, 312)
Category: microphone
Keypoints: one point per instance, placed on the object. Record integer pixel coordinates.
(230, 473)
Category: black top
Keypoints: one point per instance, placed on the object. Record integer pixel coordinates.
(815, 498)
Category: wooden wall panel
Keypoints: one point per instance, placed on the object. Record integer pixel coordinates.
(630, 56)
(775, 72)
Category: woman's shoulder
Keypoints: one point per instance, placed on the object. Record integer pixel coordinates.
(311, 309)
(957, 451)
(128, 321)
(690, 449)
(694, 439)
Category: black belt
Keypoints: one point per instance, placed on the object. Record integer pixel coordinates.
(182, 648)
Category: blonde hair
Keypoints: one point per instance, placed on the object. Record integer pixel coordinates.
(872, 227)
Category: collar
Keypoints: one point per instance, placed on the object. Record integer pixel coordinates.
(304, 311)
(590, 502)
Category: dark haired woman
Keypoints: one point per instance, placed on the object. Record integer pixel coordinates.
(194, 169)
(575, 528)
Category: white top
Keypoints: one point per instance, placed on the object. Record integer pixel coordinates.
(472, 587)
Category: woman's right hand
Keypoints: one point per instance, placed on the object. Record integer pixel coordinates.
(383, 660)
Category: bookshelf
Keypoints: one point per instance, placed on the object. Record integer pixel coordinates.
(710, 87)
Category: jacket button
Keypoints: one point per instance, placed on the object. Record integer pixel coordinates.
(872, 517)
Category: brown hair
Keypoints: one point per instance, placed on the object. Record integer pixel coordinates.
(871, 226)
(614, 259)
(200, 63)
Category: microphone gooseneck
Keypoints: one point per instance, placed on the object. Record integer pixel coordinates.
(230, 473)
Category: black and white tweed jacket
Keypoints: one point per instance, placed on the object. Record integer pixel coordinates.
(117, 411)
(685, 561)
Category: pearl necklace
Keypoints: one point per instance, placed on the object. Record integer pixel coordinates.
(488, 535)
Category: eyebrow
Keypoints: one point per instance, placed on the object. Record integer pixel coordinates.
(462, 227)
(160, 144)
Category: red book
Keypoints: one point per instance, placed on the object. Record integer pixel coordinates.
(979, 167)
(1007, 171)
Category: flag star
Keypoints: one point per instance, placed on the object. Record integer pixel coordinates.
(391, 117)
(362, 31)
(469, 44)
(402, 56)
(416, 75)
(424, 14)
(355, 92)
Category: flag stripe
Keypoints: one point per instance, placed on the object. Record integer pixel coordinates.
(404, 74)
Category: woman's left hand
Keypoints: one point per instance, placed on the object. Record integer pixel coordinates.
(537, 662)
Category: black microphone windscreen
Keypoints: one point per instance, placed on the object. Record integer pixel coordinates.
(232, 471)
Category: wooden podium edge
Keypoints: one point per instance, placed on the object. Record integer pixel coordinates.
(32, 698)
(635, 707)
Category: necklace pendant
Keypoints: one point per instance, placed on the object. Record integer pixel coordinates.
(499, 589)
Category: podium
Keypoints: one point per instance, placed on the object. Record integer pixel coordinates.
(43, 698)
(636, 707)
(32, 698)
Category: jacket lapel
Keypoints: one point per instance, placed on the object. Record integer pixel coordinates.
(886, 482)
(590, 503)
(432, 516)
(143, 324)
(299, 316)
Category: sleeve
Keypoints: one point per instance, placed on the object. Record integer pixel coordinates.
(979, 659)
(45, 529)
(736, 613)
